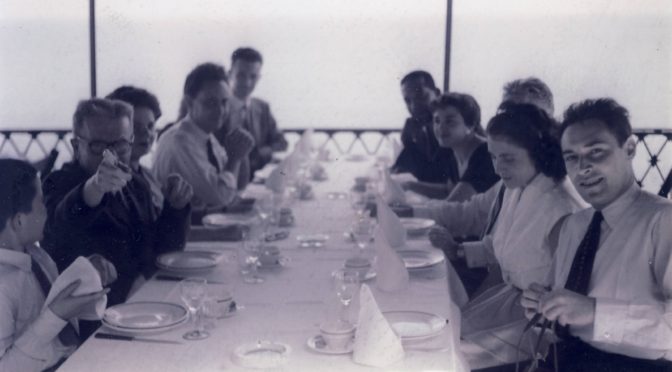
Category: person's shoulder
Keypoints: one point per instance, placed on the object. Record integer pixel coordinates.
(258, 102)
(70, 174)
(648, 203)
(11, 281)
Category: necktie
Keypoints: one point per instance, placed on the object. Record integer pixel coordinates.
(494, 212)
(582, 266)
(68, 336)
(211, 156)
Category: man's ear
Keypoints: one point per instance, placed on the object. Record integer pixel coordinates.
(630, 146)
(75, 148)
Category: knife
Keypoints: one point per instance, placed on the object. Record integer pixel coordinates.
(173, 278)
(109, 336)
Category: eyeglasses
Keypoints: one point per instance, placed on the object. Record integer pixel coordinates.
(121, 146)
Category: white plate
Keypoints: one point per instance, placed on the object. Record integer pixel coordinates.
(312, 240)
(217, 220)
(417, 226)
(415, 325)
(420, 258)
(315, 344)
(187, 261)
(144, 316)
(262, 354)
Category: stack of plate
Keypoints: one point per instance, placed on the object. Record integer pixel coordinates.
(416, 227)
(419, 261)
(144, 317)
(188, 262)
(412, 326)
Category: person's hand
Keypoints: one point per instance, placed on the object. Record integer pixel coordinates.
(441, 238)
(112, 175)
(407, 185)
(265, 153)
(105, 268)
(67, 306)
(568, 308)
(238, 144)
(402, 210)
(178, 191)
(531, 299)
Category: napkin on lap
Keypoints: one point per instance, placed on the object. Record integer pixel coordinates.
(90, 282)
(393, 193)
(394, 231)
(376, 344)
(392, 274)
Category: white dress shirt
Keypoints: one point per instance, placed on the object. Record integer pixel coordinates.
(28, 333)
(183, 150)
(632, 275)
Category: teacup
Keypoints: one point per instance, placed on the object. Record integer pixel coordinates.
(360, 265)
(337, 336)
(270, 255)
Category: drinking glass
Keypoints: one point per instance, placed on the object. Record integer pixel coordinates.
(193, 292)
(357, 202)
(347, 286)
(252, 245)
(362, 231)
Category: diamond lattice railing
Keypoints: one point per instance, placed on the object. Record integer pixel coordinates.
(653, 162)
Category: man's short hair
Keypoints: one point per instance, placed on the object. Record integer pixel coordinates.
(533, 87)
(614, 116)
(422, 77)
(466, 105)
(246, 54)
(100, 107)
(137, 97)
(201, 75)
(17, 189)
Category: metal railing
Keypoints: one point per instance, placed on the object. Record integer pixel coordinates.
(653, 162)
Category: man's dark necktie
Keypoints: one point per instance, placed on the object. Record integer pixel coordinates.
(68, 336)
(494, 212)
(582, 266)
(211, 156)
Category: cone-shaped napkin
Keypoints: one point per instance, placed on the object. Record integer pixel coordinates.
(276, 180)
(393, 193)
(394, 231)
(90, 282)
(392, 273)
(305, 143)
(376, 344)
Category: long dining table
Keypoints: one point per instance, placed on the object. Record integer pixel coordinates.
(291, 303)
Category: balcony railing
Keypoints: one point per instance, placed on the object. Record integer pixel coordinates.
(653, 162)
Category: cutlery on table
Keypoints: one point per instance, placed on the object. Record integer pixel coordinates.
(109, 336)
(175, 278)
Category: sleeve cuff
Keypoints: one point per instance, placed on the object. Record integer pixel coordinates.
(42, 332)
(475, 254)
(609, 318)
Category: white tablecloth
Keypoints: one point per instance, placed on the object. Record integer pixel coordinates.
(288, 307)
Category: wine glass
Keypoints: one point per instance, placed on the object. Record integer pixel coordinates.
(362, 231)
(357, 202)
(250, 257)
(192, 292)
(347, 286)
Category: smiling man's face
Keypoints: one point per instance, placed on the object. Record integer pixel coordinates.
(600, 168)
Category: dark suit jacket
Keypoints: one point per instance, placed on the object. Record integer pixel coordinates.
(123, 229)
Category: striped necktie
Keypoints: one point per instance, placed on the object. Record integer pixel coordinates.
(211, 155)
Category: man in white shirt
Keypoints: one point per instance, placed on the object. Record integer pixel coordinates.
(190, 149)
(33, 337)
(251, 113)
(611, 296)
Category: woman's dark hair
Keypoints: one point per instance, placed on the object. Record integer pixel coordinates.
(466, 105)
(17, 189)
(201, 75)
(533, 129)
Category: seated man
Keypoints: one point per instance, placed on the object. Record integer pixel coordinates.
(422, 156)
(33, 337)
(611, 296)
(146, 111)
(96, 204)
(190, 149)
(250, 113)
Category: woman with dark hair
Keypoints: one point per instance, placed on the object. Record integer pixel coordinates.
(534, 198)
(457, 126)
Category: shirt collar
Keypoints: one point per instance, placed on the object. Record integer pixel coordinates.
(619, 207)
(189, 126)
(18, 259)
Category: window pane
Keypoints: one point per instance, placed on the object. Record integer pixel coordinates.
(326, 63)
(44, 68)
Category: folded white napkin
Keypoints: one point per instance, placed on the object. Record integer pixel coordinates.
(394, 231)
(305, 143)
(90, 282)
(376, 344)
(276, 180)
(393, 192)
(392, 274)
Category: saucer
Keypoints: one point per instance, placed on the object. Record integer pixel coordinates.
(281, 262)
(318, 345)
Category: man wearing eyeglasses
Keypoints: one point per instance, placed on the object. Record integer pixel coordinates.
(96, 205)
